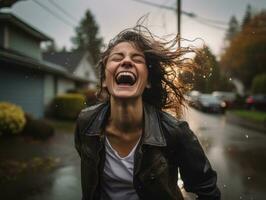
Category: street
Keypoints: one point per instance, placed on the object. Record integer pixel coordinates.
(237, 154)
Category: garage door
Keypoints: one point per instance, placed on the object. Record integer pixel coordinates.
(24, 88)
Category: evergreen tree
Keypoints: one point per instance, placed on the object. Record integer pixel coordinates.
(247, 16)
(87, 37)
(233, 29)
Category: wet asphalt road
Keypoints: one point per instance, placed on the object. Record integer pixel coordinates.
(237, 154)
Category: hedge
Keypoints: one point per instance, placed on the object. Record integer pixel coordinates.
(68, 106)
(259, 84)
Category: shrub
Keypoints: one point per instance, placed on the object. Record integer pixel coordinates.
(38, 128)
(68, 106)
(12, 119)
(90, 95)
(258, 84)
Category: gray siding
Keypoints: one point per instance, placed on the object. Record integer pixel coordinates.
(23, 43)
(24, 89)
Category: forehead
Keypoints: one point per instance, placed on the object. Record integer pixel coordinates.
(126, 47)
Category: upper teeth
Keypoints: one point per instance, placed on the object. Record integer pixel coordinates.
(126, 74)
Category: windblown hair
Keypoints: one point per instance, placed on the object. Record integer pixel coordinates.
(166, 64)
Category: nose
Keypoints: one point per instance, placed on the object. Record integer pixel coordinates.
(127, 63)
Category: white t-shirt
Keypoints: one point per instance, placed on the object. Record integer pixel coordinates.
(118, 175)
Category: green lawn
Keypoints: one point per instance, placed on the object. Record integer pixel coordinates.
(252, 115)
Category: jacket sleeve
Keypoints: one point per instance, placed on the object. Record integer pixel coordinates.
(195, 169)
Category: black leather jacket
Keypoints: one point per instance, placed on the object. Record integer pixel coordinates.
(165, 146)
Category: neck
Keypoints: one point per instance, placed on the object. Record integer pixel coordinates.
(126, 116)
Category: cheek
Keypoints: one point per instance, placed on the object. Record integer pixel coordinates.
(109, 71)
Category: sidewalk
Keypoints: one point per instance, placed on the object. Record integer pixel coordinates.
(254, 125)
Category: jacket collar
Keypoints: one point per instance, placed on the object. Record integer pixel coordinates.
(153, 134)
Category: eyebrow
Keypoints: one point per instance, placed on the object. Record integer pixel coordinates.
(121, 54)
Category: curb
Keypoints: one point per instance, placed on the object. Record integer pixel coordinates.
(250, 124)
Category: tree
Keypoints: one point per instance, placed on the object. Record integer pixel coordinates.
(233, 29)
(208, 77)
(247, 16)
(245, 57)
(50, 47)
(87, 37)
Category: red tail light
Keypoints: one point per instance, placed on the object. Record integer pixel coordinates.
(250, 100)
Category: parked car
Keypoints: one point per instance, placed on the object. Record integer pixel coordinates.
(228, 97)
(192, 97)
(257, 102)
(210, 103)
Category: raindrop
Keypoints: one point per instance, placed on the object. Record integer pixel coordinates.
(253, 32)
(240, 197)
(246, 136)
(26, 77)
(224, 186)
(230, 79)
(204, 76)
(249, 177)
(85, 103)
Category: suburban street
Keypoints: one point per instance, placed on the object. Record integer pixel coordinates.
(236, 153)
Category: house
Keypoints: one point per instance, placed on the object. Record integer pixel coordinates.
(25, 78)
(75, 62)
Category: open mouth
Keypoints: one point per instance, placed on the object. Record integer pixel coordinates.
(125, 78)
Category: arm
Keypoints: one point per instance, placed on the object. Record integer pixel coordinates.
(77, 138)
(195, 168)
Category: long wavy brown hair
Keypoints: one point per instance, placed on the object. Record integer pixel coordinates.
(168, 67)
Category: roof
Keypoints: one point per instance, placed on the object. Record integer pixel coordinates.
(10, 56)
(7, 3)
(12, 19)
(69, 60)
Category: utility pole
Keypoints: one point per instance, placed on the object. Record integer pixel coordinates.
(178, 15)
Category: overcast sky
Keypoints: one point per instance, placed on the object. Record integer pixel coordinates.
(113, 16)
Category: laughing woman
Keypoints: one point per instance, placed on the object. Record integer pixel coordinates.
(130, 148)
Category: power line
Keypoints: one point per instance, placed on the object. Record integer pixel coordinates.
(210, 25)
(54, 14)
(208, 22)
(155, 4)
(212, 20)
(63, 11)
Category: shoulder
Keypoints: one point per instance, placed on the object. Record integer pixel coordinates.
(87, 115)
(89, 111)
(175, 129)
(173, 124)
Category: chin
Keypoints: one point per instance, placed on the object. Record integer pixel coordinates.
(125, 95)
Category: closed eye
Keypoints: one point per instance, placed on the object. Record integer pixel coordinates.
(138, 59)
(116, 57)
